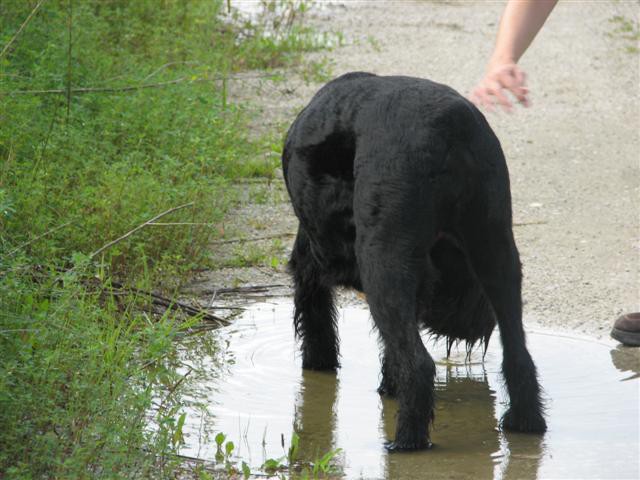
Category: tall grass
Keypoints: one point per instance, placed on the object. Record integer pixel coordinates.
(80, 168)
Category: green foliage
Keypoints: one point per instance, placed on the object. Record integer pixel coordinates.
(246, 470)
(74, 396)
(153, 129)
(323, 464)
(294, 448)
(116, 159)
(286, 466)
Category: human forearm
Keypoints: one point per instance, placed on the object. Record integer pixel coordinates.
(520, 22)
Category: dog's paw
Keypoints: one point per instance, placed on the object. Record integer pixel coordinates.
(395, 447)
(529, 422)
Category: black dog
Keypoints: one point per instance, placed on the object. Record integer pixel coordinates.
(402, 192)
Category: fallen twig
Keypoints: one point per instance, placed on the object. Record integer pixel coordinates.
(131, 232)
(161, 224)
(169, 303)
(24, 24)
(172, 390)
(129, 88)
(258, 180)
(48, 232)
(253, 239)
(245, 289)
(166, 65)
(524, 224)
(208, 466)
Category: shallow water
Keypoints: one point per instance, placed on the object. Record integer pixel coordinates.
(264, 395)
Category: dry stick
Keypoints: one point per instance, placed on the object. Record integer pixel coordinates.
(166, 65)
(45, 144)
(133, 87)
(48, 232)
(206, 464)
(24, 24)
(253, 239)
(252, 180)
(246, 289)
(524, 224)
(131, 232)
(100, 89)
(172, 390)
(171, 304)
(69, 51)
(162, 224)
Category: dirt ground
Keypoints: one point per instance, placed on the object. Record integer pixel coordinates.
(573, 156)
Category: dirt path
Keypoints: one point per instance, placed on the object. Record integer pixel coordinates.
(573, 156)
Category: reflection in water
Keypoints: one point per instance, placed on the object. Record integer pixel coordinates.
(465, 434)
(265, 395)
(315, 413)
(627, 359)
(522, 455)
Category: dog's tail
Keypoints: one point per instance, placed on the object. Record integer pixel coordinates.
(460, 309)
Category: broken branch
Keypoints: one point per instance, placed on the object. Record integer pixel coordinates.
(131, 232)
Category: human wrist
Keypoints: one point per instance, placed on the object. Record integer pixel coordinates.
(500, 58)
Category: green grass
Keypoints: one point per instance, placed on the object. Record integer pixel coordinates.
(80, 367)
(628, 31)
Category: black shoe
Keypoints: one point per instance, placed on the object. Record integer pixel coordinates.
(626, 329)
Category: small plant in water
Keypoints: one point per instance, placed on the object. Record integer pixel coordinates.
(322, 467)
(287, 466)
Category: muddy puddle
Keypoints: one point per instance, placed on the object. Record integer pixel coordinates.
(263, 395)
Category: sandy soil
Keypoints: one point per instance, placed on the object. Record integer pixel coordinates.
(573, 156)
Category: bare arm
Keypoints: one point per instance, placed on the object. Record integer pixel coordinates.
(520, 23)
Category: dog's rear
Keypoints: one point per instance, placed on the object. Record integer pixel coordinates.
(321, 181)
(402, 192)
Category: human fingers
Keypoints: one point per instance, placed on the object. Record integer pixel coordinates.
(519, 85)
(521, 94)
(495, 90)
(481, 98)
(516, 88)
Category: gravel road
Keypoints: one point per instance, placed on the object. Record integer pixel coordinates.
(573, 156)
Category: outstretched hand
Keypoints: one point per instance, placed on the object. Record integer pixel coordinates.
(500, 79)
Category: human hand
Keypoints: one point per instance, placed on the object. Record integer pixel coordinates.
(500, 79)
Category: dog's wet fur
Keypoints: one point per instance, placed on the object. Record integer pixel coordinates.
(402, 192)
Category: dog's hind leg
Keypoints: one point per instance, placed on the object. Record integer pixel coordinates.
(495, 259)
(391, 294)
(314, 312)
